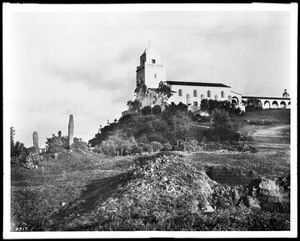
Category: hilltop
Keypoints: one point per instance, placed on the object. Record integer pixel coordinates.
(211, 188)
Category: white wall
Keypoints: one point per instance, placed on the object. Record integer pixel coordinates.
(150, 71)
(201, 90)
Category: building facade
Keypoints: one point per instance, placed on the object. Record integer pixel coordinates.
(151, 72)
(151, 69)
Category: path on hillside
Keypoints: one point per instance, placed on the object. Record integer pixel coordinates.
(271, 138)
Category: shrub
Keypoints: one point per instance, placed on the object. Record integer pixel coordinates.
(156, 146)
(78, 144)
(146, 147)
(237, 111)
(191, 146)
(57, 144)
(118, 143)
(17, 150)
(98, 149)
(32, 160)
(167, 147)
(222, 128)
(137, 150)
(156, 110)
(143, 139)
(146, 110)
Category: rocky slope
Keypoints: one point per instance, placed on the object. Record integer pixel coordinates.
(168, 193)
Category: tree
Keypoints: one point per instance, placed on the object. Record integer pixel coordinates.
(135, 105)
(79, 144)
(12, 138)
(57, 143)
(146, 110)
(253, 104)
(222, 125)
(204, 105)
(141, 92)
(17, 149)
(173, 109)
(156, 110)
(163, 94)
(118, 143)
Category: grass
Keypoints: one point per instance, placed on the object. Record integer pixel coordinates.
(98, 181)
(36, 195)
(271, 116)
(69, 192)
(269, 165)
(256, 120)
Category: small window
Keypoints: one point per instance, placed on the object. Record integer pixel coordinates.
(222, 94)
(195, 93)
(216, 97)
(195, 103)
(153, 61)
(208, 93)
(202, 97)
(188, 101)
(155, 75)
(180, 92)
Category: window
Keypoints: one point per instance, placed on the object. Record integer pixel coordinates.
(153, 61)
(222, 94)
(195, 103)
(229, 97)
(180, 92)
(216, 97)
(188, 99)
(195, 93)
(155, 75)
(208, 93)
(202, 97)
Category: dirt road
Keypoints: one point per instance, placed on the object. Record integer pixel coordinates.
(271, 138)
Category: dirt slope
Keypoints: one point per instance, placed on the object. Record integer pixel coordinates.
(271, 138)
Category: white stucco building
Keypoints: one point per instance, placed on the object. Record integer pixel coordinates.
(152, 71)
(192, 93)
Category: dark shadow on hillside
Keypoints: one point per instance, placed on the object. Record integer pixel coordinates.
(95, 193)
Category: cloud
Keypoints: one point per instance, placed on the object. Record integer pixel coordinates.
(84, 63)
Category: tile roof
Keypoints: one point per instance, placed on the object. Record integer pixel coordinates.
(196, 84)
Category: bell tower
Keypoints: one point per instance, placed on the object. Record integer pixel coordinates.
(151, 70)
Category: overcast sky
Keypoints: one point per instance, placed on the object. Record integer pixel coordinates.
(83, 63)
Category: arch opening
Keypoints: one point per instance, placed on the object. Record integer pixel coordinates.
(195, 93)
(267, 105)
(180, 92)
(282, 105)
(274, 104)
(222, 94)
(188, 99)
(235, 100)
(208, 93)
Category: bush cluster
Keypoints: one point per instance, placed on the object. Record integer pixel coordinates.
(58, 144)
(120, 143)
(18, 152)
(33, 158)
(175, 125)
